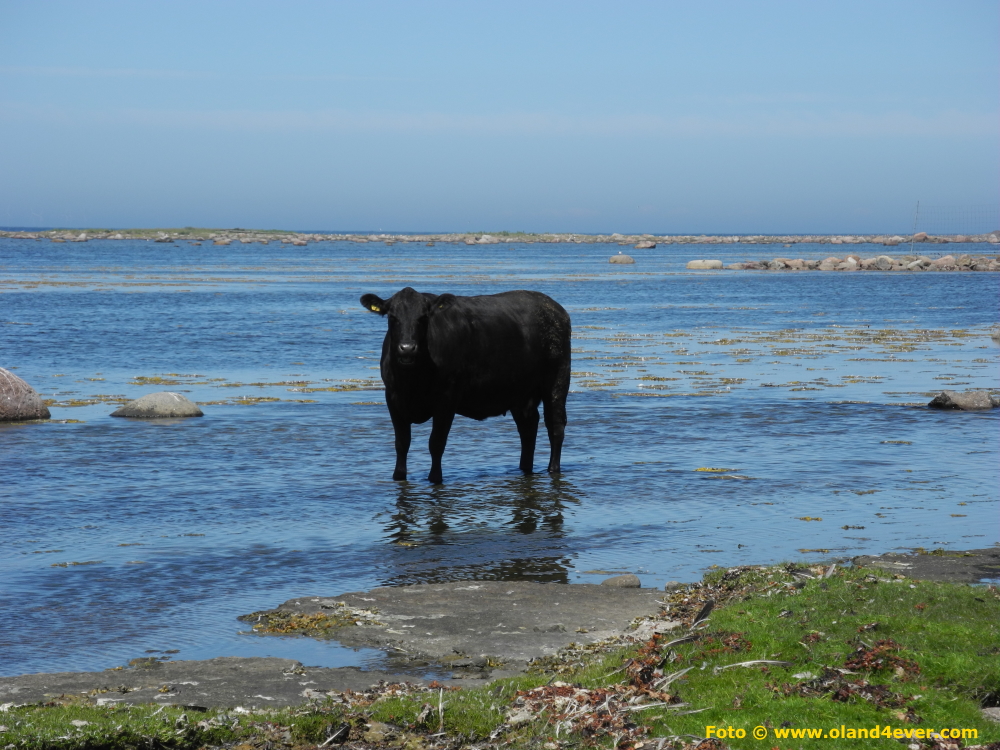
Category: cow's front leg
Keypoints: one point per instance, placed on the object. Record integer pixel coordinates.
(526, 420)
(402, 429)
(436, 444)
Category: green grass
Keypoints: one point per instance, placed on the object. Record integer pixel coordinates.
(950, 632)
(123, 727)
(943, 663)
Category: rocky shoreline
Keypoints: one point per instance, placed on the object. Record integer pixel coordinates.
(854, 262)
(640, 241)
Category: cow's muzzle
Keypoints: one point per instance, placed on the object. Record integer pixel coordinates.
(407, 353)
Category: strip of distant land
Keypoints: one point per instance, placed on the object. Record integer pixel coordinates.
(266, 236)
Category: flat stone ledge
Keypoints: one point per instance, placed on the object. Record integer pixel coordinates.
(511, 622)
(958, 566)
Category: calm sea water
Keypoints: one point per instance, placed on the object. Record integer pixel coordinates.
(123, 536)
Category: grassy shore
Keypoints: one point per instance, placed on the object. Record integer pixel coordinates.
(855, 649)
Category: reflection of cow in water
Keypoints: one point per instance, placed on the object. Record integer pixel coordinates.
(475, 356)
(503, 529)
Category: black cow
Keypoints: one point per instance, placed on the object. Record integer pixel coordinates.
(475, 356)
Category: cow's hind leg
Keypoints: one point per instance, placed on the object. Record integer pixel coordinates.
(555, 424)
(526, 419)
(436, 444)
(402, 429)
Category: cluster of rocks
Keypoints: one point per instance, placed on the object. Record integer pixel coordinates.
(640, 241)
(857, 263)
(19, 402)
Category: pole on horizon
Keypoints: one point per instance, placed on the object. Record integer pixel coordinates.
(916, 216)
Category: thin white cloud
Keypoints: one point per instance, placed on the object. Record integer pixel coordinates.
(745, 123)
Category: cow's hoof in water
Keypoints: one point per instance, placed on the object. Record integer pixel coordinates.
(435, 478)
(399, 476)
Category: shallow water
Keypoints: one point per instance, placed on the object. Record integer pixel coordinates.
(124, 536)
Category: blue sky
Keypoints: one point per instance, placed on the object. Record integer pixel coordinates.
(714, 117)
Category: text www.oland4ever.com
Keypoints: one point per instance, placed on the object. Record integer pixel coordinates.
(842, 732)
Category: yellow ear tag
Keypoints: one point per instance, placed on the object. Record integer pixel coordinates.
(376, 308)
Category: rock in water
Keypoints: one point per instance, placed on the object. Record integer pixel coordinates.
(627, 581)
(967, 401)
(159, 406)
(645, 245)
(704, 265)
(18, 400)
(621, 258)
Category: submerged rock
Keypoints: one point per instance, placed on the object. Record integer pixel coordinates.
(18, 400)
(704, 265)
(621, 258)
(967, 401)
(160, 405)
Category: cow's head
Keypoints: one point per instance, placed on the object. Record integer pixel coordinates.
(409, 313)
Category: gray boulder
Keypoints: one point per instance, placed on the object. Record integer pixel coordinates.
(967, 401)
(18, 400)
(704, 265)
(884, 263)
(159, 405)
(645, 245)
(627, 581)
(621, 258)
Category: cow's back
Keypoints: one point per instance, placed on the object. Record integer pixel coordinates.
(493, 352)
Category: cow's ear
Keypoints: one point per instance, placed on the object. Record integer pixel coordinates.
(442, 302)
(374, 303)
